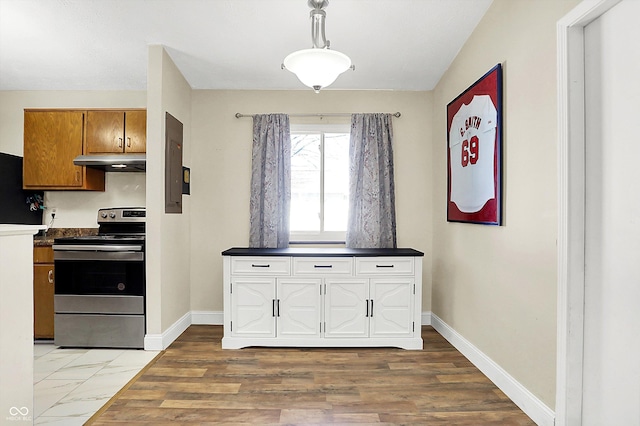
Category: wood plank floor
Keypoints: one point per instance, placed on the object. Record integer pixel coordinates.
(196, 382)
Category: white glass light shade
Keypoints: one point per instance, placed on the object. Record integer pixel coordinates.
(317, 68)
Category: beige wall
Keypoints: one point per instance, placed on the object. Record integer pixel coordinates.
(75, 209)
(221, 171)
(168, 235)
(496, 286)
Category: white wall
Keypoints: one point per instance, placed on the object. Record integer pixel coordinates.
(496, 286)
(16, 327)
(612, 286)
(168, 235)
(221, 171)
(75, 209)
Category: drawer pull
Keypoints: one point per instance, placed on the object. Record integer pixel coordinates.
(323, 266)
(50, 276)
(384, 266)
(253, 265)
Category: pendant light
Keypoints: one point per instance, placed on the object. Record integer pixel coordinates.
(319, 66)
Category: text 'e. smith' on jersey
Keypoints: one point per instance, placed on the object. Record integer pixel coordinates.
(472, 139)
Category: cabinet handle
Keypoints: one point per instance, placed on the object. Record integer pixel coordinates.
(323, 266)
(273, 307)
(384, 266)
(371, 315)
(367, 313)
(119, 142)
(50, 276)
(278, 307)
(129, 142)
(259, 266)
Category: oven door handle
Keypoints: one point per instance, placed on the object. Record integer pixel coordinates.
(95, 247)
(77, 255)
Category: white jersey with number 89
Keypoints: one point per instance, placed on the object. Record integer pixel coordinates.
(472, 139)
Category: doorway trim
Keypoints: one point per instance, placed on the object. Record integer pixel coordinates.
(571, 208)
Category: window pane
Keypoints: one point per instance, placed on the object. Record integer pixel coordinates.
(305, 182)
(336, 181)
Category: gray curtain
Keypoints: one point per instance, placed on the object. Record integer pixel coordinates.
(372, 211)
(270, 181)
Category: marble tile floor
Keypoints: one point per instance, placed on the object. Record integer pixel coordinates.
(70, 385)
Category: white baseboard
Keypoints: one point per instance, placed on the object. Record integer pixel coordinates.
(540, 413)
(207, 317)
(426, 318)
(160, 342)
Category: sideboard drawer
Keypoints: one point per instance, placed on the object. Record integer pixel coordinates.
(266, 265)
(384, 266)
(322, 266)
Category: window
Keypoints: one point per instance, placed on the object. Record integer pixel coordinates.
(319, 183)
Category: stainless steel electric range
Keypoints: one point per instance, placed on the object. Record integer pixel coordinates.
(99, 295)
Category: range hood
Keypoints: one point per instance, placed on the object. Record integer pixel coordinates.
(113, 162)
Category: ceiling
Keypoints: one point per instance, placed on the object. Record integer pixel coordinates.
(227, 44)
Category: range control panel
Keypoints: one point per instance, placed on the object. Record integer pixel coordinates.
(122, 214)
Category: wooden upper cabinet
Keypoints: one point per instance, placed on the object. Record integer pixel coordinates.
(52, 139)
(113, 132)
(135, 131)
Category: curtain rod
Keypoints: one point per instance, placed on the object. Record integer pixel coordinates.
(338, 114)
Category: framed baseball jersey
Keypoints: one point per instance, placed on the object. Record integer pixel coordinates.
(474, 145)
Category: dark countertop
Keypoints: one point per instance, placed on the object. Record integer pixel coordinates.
(46, 239)
(321, 252)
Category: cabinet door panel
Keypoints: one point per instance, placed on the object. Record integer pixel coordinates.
(252, 307)
(346, 308)
(392, 307)
(298, 307)
(135, 130)
(105, 132)
(43, 313)
(52, 139)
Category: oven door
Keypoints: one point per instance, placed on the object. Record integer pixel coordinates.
(99, 295)
(99, 270)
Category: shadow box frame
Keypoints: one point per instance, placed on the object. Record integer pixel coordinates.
(474, 170)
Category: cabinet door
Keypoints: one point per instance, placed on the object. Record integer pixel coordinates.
(346, 308)
(43, 286)
(52, 139)
(298, 307)
(105, 132)
(135, 131)
(391, 312)
(253, 304)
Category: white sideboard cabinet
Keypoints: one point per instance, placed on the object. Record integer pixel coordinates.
(322, 297)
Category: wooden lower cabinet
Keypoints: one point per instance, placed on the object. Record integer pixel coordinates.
(43, 286)
(329, 300)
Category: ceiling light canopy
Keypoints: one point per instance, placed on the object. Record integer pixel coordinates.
(319, 66)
